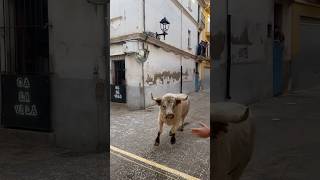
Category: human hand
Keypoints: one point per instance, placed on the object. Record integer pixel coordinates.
(203, 132)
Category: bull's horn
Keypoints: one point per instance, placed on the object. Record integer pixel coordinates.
(185, 98)
(153, 97)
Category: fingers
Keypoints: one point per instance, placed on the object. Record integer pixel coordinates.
(196, 131)
(202, 124)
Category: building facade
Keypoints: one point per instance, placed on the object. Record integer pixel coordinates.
(53, 70)
(264, 51)
(299, 20)
(169, 64)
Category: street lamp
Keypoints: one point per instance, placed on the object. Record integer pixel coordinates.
(164, 26)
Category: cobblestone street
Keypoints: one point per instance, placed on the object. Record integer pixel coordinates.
(287, 138)
(135, 132)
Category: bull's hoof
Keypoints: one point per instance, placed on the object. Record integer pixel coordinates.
(157, 142)
(173, 140)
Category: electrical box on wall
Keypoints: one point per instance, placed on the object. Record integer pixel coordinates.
(130, 47)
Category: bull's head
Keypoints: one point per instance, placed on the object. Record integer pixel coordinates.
(168, 104)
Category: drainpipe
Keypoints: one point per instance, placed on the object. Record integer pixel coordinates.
(144, 30)
(144, 15)
(228, 53)
(181, 73)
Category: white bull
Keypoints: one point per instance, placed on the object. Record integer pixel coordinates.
(173, 111)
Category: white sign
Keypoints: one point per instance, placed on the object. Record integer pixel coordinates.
(117, 93)
(24, 97)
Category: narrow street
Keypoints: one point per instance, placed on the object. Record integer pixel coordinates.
(287, 139)
(135, 131)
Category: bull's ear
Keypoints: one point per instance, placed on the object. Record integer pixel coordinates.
(158, 101)
(178, 101)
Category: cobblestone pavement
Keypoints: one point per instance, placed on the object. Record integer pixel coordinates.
(135, 132)
(22, 159)
(288, 138)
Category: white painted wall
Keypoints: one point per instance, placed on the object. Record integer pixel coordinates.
(189, 25)
(125, 17)
(179, 22)
(155, 11)
(194, 7)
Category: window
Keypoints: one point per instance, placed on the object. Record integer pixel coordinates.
(189, 39)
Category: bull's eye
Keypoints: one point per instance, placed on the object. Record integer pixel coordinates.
(163, 106)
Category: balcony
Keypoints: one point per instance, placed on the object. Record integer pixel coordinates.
(203, 50)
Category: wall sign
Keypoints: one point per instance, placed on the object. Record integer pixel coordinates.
(118, 93)
(25, 102)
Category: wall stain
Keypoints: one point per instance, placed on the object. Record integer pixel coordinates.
(165, 77)
(243, 39)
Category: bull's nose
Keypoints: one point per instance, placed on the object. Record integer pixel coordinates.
(170, 116)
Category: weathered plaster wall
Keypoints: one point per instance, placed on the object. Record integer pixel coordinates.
(251, 50)
(162, 74)
(77, 41)
(134, 82)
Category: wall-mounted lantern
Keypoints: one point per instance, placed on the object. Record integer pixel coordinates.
(164, 26)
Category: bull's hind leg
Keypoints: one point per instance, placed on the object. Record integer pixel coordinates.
(157, 141)
(182, 124)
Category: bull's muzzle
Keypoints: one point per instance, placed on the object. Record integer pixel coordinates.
(170, 116)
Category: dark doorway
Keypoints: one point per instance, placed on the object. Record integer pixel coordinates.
(24, 77)
(278, 51)
(119, 72)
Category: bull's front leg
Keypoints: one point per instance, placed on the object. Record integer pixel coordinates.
(173, 133)
(157, 142)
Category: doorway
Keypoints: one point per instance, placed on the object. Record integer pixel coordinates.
(25, 75)
(278, 51)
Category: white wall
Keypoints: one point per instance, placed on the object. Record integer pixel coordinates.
(194, 7)
(189, 25)
(179, 22)
(125, 17)
(155, 11)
